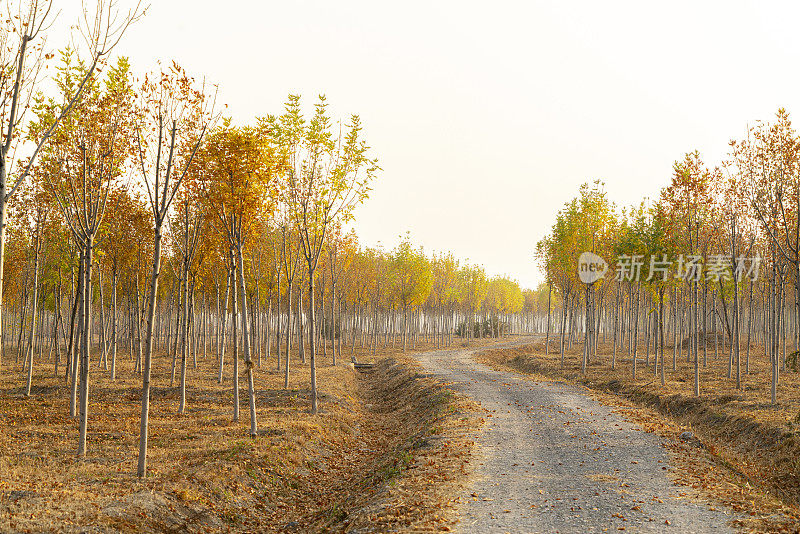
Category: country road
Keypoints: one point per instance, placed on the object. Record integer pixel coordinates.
(552, 459)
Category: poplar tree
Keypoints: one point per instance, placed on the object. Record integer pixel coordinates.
(325, 174)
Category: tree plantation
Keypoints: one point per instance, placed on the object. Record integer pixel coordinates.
(146, 225)
(228, 306)
(708, 270)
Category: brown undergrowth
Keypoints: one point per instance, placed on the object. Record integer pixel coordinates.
(384, 453)
(744, 452)
(413, 488)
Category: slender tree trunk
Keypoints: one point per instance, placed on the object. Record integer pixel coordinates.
(86, 345)
(35, 302)
(660, 344)
(288, 332)
(245, 332)
(235, 338)
(222, 319)
(749, 328)
(333, 318)
(148, 352)
(178, 330)
(102, 344)
(184, 335)
(139, 347)
(73, 351)
(301, 342)
(3, 222)
(114, 276)
(636, 330)
(693, 332)
(278, 317)
(563, 328)
(312, 355)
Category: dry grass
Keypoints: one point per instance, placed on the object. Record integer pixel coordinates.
(206, 473)
(419, 479)
(756, 443)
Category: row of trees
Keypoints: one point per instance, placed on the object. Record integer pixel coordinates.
(712, 264)
(365, 297)
(142, 222)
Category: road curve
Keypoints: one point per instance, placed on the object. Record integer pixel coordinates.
(555, 460)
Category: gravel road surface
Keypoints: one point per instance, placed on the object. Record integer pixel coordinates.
(555, 460)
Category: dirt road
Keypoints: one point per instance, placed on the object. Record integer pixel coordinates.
(555, 460)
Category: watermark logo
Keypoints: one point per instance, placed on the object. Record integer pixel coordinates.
(660, 268)
(687, 267)
(591, 267)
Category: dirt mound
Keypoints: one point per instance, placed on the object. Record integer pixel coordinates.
(162, 512)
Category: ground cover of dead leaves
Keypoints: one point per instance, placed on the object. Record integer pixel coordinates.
(390, 450)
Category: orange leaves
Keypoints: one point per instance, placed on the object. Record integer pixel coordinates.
(235, 174)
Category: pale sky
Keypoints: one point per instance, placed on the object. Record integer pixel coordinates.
(487, 116)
